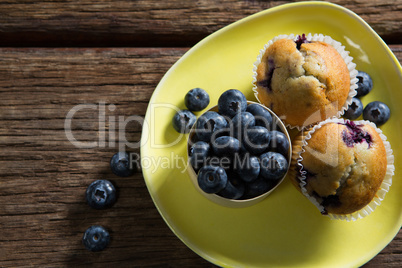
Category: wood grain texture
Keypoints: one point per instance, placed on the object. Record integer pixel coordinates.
(43, 176)
(153, 22)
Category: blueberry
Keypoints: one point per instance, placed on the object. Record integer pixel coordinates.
(301, 39)
(273, 166)
(354, 110)
(279, 143)
(196, 99)
(234, 188)
(219, 133)
(262, 116)
(121, 165)
(101, 194)
(256, 140)
(364, 85)
(96, 238)
(232, 102)
(225, 146)
(212, 179)
(267, 83)
(258, 187)
(183, 121)
(199, 152)
(208, 123)
(247, 167)
(376, 112)
(355, 134)
(225, 162)
(240, 122)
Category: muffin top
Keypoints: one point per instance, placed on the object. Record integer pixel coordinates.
(344, 166)
(303, 82)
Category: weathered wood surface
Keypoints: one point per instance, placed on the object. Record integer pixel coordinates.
(153, 22)
(43, 213)
(43, 176)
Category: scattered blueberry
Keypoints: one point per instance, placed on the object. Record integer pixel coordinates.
(183, 121)
(226, 146)
(354, 110)
(256, 139)
(212, 179)
(199, 152)
(232, 102)
(262, 116)
(279, 143)
(247, 166)
(121, 165)
(196, 99)
(96, 238)
(376, 112)
(208, 123)
(273, 166)
(101, 194)
(364, 85)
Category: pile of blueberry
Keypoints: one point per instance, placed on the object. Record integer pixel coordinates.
(238, 151)
(376, 111)
(102, 194)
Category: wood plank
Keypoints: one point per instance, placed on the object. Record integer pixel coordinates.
(153, 22)
(43, 176)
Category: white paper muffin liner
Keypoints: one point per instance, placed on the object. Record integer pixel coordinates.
(302, 140)
(322, 38)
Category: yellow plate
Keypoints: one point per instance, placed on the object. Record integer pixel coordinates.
(285, 229)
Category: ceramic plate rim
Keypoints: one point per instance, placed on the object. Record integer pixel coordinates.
(266, 12)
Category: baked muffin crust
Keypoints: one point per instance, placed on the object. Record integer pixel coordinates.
(344, 166)
(302, 83)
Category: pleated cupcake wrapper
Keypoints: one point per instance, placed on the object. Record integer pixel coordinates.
(302, 140)
(322, 38)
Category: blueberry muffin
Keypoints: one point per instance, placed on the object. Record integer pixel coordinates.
(342, 166)
(302, 81)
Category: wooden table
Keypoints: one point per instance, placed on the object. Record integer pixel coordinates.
(55, 55)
